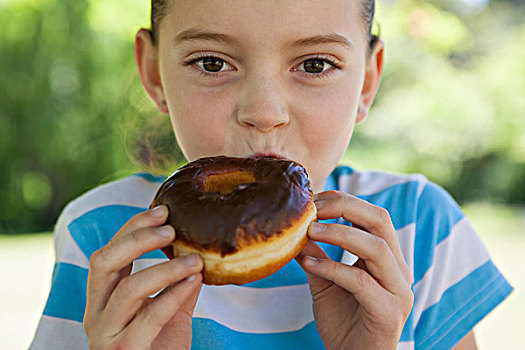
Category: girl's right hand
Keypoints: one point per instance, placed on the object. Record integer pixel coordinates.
(119, 313)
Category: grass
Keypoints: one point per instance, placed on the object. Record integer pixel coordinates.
(26, 263)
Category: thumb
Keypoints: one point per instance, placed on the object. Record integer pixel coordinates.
(317, 283)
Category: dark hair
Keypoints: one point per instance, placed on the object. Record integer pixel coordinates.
(368, 8)
(159, 8)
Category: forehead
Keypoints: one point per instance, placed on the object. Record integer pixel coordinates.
(264, 21)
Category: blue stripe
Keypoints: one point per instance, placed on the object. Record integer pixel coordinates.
(151, 178)
(289, 275)
(399, 200)
(67, 298)
(437, 214)
(461, 307)
(94, 229)
(341, 171)
(208, 334)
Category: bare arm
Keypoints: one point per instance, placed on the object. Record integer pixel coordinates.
(467, 343)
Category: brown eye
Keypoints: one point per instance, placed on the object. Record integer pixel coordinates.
(212, 64)
(314, 66)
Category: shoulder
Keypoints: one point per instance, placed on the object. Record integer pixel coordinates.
(455, 282)
(398, 191)
(422, 212)
(400, 194)
(135, 190)
(370, 182)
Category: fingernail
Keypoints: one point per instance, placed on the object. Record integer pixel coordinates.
(310, 261)
(316, 227)
(159, 211)
(190, 260)
(165, 231)
(191, 278)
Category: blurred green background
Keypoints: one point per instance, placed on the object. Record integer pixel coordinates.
(73, 115)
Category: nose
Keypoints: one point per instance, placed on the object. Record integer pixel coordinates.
(262, 105)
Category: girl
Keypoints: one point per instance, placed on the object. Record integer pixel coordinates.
(252, 78)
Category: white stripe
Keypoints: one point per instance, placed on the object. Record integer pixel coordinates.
(348, 258)
(141, 264)
(454, 258)
(370, 182)
(253, 310)
(406, 236)
(67, 251)
(405, 345)
(58, 333)
(130, 191)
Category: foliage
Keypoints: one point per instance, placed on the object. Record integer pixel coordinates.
(451, 101)
(72, 110)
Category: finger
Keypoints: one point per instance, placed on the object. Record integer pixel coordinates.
(313, 249)
(376, 252)
(145, 327)
(364, 287)
(317, 284)
(372, 218)
(131, 291)
(149, 218)
(173, 332)
(188, 306)
(130, 246)
(108, 263)
(97, 294)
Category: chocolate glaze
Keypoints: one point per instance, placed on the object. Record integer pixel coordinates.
(255, 211)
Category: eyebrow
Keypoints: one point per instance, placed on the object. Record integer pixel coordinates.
(324, 39)
(196, 34)
(199, 35)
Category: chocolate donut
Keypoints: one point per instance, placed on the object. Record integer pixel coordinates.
(246, 217)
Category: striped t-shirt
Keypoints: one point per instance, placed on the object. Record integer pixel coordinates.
(455, 282)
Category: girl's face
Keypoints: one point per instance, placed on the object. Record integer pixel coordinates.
(250, 77)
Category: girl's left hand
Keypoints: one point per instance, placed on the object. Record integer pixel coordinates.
(363, 306)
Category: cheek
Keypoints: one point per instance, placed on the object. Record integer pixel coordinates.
(200, 121)
(326, 128)
(329, 116)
